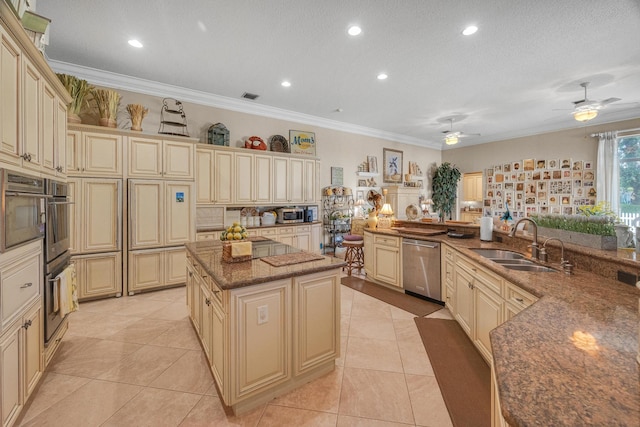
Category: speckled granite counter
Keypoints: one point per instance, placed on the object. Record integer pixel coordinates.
(570, 358)
(236, 275)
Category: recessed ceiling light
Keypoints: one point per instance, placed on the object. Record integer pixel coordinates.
(286, 84)
(354, 30)
(382, 76)
(470, 30)
(135, 43)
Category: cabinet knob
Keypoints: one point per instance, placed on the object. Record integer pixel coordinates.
(519, 299)
(26, 285)
(27, 324)
(207, 301)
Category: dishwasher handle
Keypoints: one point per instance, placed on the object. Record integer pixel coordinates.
(419, 243)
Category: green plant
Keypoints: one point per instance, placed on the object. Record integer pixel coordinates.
(444, 186)
(601, 225)
(78, 89)
(107, 102)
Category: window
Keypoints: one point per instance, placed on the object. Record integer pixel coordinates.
(629, 162)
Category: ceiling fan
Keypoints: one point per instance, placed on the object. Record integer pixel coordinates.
(586, 109)
(451, 137)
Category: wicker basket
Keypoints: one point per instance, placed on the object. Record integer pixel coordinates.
(226, 254)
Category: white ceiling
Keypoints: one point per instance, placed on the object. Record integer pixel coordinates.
(526, 60)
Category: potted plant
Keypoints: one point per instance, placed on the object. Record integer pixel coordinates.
(444, 186)
(107, 102)
(78, 89)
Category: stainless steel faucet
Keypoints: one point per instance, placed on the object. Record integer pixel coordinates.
(535, 252)
(566, 266)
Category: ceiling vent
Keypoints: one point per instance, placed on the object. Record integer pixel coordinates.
(250, 96)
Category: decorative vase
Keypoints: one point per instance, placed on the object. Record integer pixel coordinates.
(372, 221)
(73, 118)
(107, 122)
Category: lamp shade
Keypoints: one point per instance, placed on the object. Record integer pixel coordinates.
(585, 115)
(451, 140)
(360, 202)
(386, 209)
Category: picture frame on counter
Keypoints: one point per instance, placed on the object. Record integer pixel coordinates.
(302, 142)
(392, 160)
(362, 183)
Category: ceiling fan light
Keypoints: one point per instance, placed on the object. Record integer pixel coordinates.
(451, 139)
(585, 115)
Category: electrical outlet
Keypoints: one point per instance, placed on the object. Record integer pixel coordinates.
(263, 314)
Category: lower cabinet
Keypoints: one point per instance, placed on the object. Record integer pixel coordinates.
(383, 258)
(463, 281)
(156, 268)
(98, 275)
(368, 254)
(21, 362)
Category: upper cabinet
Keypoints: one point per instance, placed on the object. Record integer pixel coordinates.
(93, 154)
(153, 158)
(472, 187)
(294, 180)
(10, 66)
(252, 178)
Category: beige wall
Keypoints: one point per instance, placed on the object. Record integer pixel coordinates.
(335, 148)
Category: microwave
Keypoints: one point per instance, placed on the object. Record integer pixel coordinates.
(290, 215)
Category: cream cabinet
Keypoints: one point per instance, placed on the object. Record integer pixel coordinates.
(96, 215)
(10, 101)
(156, 268)
(223, 177)
(215, 176)
(386, 259)
(368, 254)
(297, 236)
(464, 299)
(95, 155)
(205, 181)
(31, 125)
(470, 216)
(316, 239)
(98, 275)
(288, 180)
(21, 363)
(310, 185)
(447, 274)
(193, 294)
(252, 178)
(400, 198)
(60, 139)
(153, 158)
(472, 187)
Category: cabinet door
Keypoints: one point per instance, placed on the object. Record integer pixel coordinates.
(296, 180)
(368, 254)
(464, 299)
(387, 265)
(99, 275)
(145, 270)
(102, 155)
(193, 296)
(244, 177)
(146, 213)
(48, 122)
(206, 308)
(74, 187)
(223, 177)
(262, 180)
(179, 217)
(309, 187)
(280, 180)
(204, 176)
(10, 364)
(33, 343)
(177, 160)
(145, 158)
(175, 266)
(101, 215)
(218, 349)
(303, 242)
(74, 152)
(60, 142)
(10, 99)
(31, 130)
(260, 337)
(316, 330)
(316, 238)
(487, 316)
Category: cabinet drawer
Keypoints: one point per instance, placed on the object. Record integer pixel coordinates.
(302, 229)
(207, 236)
(282, 231)
(20, 284)
(386, 241)
(269, 232)
(519, 297)
(448, 252)
(490, 280)
(216, 292)
(448, 271)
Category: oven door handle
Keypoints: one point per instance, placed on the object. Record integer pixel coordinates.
(61, 203)
(39, 196)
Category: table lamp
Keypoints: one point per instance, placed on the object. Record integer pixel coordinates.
(384, 216)
(426, 206)
(359, 208)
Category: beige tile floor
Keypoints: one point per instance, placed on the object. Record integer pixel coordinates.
(136, 361)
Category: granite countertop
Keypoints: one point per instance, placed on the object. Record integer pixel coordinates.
(570, 358)
(240, 274)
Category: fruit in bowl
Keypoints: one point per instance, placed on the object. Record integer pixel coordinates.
(234, 232)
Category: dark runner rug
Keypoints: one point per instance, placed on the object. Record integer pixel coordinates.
(462, 374)
(414, 305)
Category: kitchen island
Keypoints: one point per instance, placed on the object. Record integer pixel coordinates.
(266, 327)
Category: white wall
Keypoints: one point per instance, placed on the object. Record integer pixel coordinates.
(335, 148)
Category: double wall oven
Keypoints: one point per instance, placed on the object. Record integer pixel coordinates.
(56, 250)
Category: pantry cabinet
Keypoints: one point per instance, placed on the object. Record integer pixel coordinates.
(156, 268)
(98, 275)
(153, 158)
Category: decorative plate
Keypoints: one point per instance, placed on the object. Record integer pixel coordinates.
(412, 212)
(279, 144)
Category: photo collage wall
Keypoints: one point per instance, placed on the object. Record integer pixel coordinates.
(545, 186)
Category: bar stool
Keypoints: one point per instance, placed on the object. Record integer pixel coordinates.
(354, 255)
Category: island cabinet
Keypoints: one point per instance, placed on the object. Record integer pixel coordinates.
(382, 258)
(262, 340)
(479, 299)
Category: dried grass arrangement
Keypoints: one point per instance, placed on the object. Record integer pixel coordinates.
(78, 89)
(137, 112)
(107, 103)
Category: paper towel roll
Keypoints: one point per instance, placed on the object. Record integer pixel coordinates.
(486, 228)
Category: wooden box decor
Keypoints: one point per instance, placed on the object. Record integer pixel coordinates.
(230, 248)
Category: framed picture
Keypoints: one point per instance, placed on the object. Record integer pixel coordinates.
(541, 164)
(553, 164)
(373, 164)
(362, 183)
(528, 164)
(337, 176)
(392, 165)
(565, 164)
(302, 142)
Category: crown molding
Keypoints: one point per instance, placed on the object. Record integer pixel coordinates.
(162, 90)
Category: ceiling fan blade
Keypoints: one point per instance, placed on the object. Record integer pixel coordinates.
(580, 101)
(464, 135)
(609, 101)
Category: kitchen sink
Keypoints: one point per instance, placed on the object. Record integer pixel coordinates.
(494, 254)
(530, 267)
(520, 261)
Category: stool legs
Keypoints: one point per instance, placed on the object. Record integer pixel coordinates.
(354, 258)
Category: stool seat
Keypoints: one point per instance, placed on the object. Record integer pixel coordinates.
(354, 255)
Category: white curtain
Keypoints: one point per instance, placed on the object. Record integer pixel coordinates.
(607, 173)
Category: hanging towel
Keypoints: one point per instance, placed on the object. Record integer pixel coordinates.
(67, 292)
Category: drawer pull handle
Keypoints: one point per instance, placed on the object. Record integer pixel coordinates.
(519, 299)
(26, 285)
(27, 324)
(190, 274)
(207, 301)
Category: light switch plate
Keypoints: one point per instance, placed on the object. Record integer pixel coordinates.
(263, 314)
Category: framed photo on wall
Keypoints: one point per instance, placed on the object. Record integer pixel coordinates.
(392, 160)
(302, 142)
(373, 164)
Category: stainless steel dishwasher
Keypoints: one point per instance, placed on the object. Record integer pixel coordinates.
(421, 268)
